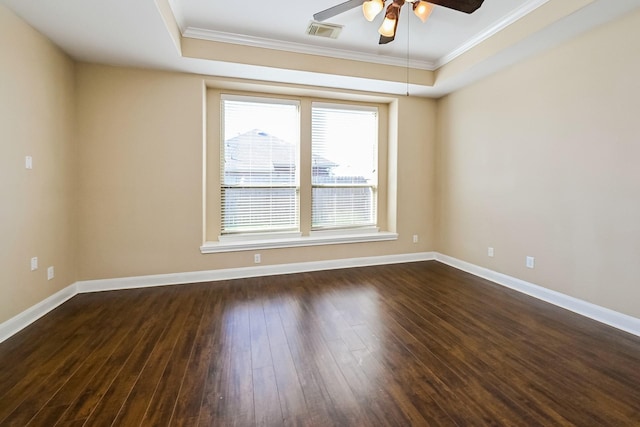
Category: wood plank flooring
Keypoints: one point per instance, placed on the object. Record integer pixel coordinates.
(417, 344)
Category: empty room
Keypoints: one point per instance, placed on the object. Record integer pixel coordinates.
(329, 213)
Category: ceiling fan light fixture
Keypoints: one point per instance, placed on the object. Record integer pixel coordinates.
(388, 27)
(422, 9)
(390, 23)
(371, 9)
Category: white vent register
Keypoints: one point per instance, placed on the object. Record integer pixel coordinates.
(321, 29)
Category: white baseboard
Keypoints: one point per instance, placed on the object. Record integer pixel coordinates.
(245, 272)
(30, 315)
(604, 315)
(27, 317)
(592, 311)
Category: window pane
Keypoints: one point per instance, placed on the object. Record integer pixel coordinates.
(344, 154)
(344, 145)
(335, 207)
(258, 158)
(259, 165)
(259, 209)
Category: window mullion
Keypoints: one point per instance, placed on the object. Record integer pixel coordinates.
(305, 166)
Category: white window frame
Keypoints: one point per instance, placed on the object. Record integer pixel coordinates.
(306, 236)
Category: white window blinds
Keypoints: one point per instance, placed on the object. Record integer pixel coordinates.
(344, 166)
(259, 165)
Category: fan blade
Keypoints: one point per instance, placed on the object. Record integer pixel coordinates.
(337, 9)
(385, 40)
(466, 6)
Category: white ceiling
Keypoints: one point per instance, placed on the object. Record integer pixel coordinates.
(132, 33)
(445, 30)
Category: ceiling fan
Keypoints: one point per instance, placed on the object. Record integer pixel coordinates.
(371, 9)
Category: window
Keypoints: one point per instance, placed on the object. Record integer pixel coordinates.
(344, 166)
(288, 171)
(259, 165)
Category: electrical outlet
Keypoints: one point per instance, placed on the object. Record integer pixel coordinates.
(50, 273)
(34, 263)
(490, 252)
(531, 262)
(257, 259)
(415, 238)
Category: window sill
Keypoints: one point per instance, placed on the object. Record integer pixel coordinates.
(317, 239)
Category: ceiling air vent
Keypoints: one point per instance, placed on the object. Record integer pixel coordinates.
(320, 29)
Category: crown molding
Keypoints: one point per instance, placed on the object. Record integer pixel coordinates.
(490, 31)
(265, 43)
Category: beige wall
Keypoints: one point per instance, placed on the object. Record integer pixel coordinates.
(37, 206)
(542, 159)
(140, 199)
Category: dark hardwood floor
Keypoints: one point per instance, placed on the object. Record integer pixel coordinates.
(414, 344)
